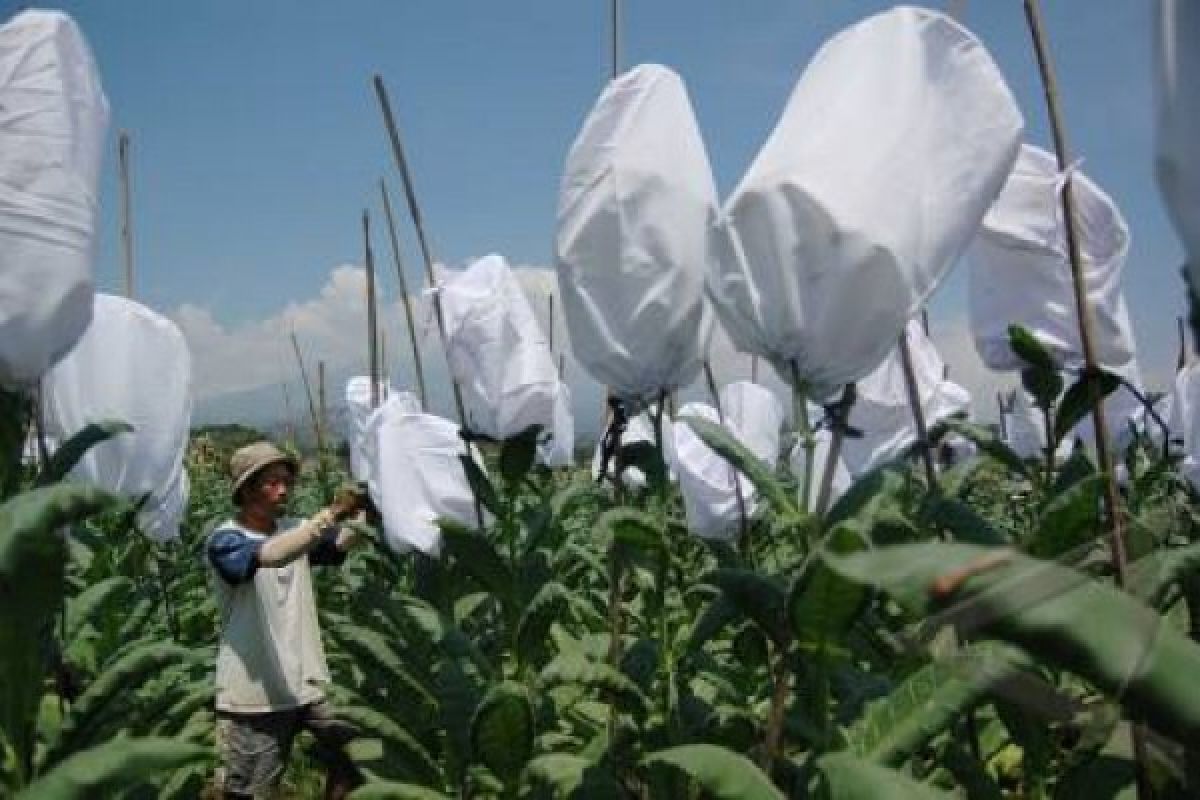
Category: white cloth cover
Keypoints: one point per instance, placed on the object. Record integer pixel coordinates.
(1021, 273)
(895, 142)
(639, 429)
(637, 220)
(498, 351)
(53, 117)
(1185, 420)
(418, 477)
(882, 411)
(754, 416)
(359, 416)
(842, 479)
(132, 365)
(1177, 162)
(559, 449)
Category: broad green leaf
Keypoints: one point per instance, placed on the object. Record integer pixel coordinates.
(737, 454)
(929, 701)
(990, 445)
(368, 647)
(387, 790)
(15, 408)
(722, 774)
(1063, 617)
(400, 746)
(632, 529)
(517, 455)
(1044, 385)
(822, 604)
(68, 454)
(719, 613)
(851, 778)
(1030, 350)
(573, 777)
(1151, 576)
(577, 671)
(118, 764)
(477, 556)
(84, 606)
(1105, 777)
(1070, 519)
(502, 731)
(1077, 402)
(963, 522)
(757, 597)
(546, 607)
(481, 484)
(32, 562)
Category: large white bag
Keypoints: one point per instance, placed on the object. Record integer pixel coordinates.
(1021, 273)
(637, 219)
(53, 116)
(497, 350)
(359, 416)
(132, 365)
(882, 412)
(559, 449)
(1185, 420)
(707, 481)
(893, 145)
(418, 477)
(1177, 161)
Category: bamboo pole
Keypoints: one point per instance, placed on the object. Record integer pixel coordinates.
(408, 310)
(126, 212)
(825, 492)
(372, 323)
(321, 407)
(550, 306)
(1182, 360)
(415, 212)
(914, 403)
(754, 369)
(1083, 313)
(614, 56)
(312, 405)
(1003, 413)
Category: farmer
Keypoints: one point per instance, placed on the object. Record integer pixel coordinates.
(270, 663)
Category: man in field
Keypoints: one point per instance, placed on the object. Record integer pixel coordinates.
(270, 662)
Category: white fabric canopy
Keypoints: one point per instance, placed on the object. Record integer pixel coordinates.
(882, 410)
(53, 117)
(894, 143)
(1177, 161)
(637, 219)
(559, 449)
(131, 365)
(418, 477)
(1185, 420)
(1021, 273)
(754, 416)
(359, 434)
(499, 353)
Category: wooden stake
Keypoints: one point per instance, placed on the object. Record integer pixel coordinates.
(1003, 415)
(550, 304)
(415, 212)
(408, 311)
(754, 369)
(914, 402)
(322, 414)
(312, 405)
(825, 492)
(1083, 313)
(372, 328)
(1182, 360)
(614, 38)
(126, 211)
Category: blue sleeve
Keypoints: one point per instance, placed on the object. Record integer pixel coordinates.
(326, 553)
(234, 555)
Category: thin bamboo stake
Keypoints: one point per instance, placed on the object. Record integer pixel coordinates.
(743, 527)
(1083, 313)
(914, 402)
(803, 430)
(372, 325)
(825, 493)
(126, 211)
(321, 407)
(1182, 360)
(614, 56)
(550, 306)
(754, 369)
(408, 311)
(312, 405)
(415, 212)
(1003, 416)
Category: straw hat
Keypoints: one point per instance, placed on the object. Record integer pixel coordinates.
(248, 460)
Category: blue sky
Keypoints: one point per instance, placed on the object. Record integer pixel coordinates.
(257, 141)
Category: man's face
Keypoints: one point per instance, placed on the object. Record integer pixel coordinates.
(270, 488)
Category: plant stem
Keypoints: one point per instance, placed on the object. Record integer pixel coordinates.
(804, 431)
(779, 696)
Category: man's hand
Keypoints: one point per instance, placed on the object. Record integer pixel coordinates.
(348, 501)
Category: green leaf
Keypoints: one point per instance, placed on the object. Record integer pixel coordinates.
(387, 790)
(1151, 576)
(1030, 350)
(1077, 402)
(481, 484)
(573, 777)
(929, 701)
(1043, 385)
(400, 747)
(1070, 519)
(1063, 617)
(963, 522)
(68, 454)
(762, 476)
(850, 778)
(721, 773)
(517, 455)
(118, 764)
(757, 597)
(822, 604)
(646, 457)
(574, 670)
(32, 561)
(87, 604)
(990, 445)
(632, 530)
(550, 603)
(502, 731)
(477, 556)
(1106, 777)
(369, 648)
